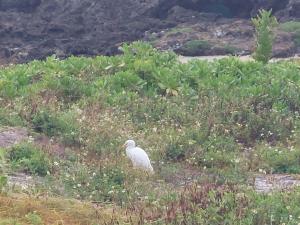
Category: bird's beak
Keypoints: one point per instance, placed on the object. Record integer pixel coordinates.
(124, 145)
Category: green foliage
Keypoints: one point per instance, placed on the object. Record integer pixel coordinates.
(195, 47)
(290, 26)
(294, 28)
(9, 222)
(63, 125)
(176, 30)
(3, 178)
(217, 121)
(273, 159)
(103, 184)
(44, 122)
(30, 159)
(8, 118)
(229, 49)
(3, 182)
(176, 151)
(264, 24)
(34, 219)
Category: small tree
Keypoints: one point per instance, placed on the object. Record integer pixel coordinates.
(264, 24)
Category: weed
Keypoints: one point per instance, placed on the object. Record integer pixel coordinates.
(195, 47)
(34, 219)
(29, 159)
(264, 24)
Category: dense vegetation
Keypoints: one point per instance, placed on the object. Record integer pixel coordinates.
(224, 120)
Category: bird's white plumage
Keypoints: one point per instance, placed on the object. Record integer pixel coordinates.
(138, 156)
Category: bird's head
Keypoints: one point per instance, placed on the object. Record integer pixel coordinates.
(129, 144)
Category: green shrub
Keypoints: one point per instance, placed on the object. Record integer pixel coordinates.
(34, 219)
(9, 118)
(176, 151)
(217, 152)
(229, 49)
(64, 125)
(290, 26)
(103, 184)
(30, 159)
(103, 144)
(45, 122)
(294, 28)
(126, 81)
(264, 24)
(273, 159)
(248, 126)
(3, 182)
(195, 47)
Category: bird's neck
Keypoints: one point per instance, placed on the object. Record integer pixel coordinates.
(129, 148)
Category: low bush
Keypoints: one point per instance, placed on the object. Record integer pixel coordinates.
(276, 159)
(195, 47)
(63, 126)
(28, 158)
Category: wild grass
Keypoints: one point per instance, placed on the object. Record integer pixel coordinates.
(222, 120)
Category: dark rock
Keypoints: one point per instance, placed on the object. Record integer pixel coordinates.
(181, 15)
(294, 8)
(35, 29)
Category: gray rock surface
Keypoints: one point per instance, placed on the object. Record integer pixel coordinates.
(35, 29)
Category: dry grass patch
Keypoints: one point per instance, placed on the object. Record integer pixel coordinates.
(24, 210)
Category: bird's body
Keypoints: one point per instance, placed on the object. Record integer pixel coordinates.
(138, 157)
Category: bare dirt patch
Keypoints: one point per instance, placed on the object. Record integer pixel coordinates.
(275, 182)
(11, 136)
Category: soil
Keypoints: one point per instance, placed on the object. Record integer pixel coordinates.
(11, 136)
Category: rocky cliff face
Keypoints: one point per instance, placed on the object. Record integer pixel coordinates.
(34, 29)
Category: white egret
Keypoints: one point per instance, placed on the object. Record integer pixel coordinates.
(138, 156)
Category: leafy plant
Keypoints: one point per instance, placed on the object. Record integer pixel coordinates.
(195, 47)
(34, 219)
(3, 182)
(63, 125)
(264, 24)
(294, 28)
(30, 159)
